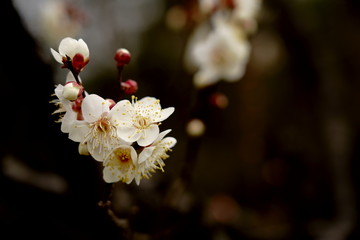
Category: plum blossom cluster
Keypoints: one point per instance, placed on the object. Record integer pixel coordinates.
(219, 47)
(124, 135)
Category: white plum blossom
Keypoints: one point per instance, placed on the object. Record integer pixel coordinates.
(65, 106)
(99, 127)
(58, 19)
(125, 164)
(74, 51)
(120, 164)
(153, 156)
(222, 54)
(140, 119)
(124, 136)
(68, 116)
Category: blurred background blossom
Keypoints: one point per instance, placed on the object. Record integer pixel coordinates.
(274, 156)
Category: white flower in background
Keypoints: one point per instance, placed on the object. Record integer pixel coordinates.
(151, 157)
(74, 51)
(139, 120)
(120, 164)
(58, 19)
(99, 127)
(246, 11)
(222, 54)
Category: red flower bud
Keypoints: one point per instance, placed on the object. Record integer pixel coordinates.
(111, 103)
(129, 86)
(78, 62)
(219, 100)
(122, 57)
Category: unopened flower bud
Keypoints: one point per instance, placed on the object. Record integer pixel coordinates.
(195, 127)
(111, 103)
(83, 149)
(71, 91)
(122, 57)
(219, 100)
(129, 86)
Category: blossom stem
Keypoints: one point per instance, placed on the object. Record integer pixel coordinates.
(76, 76)
(68, 64)
(120, 70)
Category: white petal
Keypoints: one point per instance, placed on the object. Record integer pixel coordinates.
(109, 175)
(68, 47)
(145, 154)
(128, 134)
(134, 156)
(70, 77)
(130, 179)
(96, 153)
(92, 107)
(122, 111)
(68, 119)
(162, 135)
(78, 131)
(148, 135)
(149, 101)
(147, 106)
(83, 48)
(56, 55)
(165, 113)
(58, 91)
(137, 179)
(169, 141)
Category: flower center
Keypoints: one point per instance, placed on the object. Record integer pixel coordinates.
(120, 163)
(141, 122)
(102, 135)
(123, 155)
(121, 160)
(103, 124)
(218, 56)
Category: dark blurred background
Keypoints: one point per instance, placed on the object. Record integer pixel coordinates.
(280, 162)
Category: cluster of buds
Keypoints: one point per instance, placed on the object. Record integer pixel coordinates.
(125, 135)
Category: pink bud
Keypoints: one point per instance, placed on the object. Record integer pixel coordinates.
(122, 57)
(76, 106)
(129, 86)
(111, 103)
(219, 100)
(72, 91)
